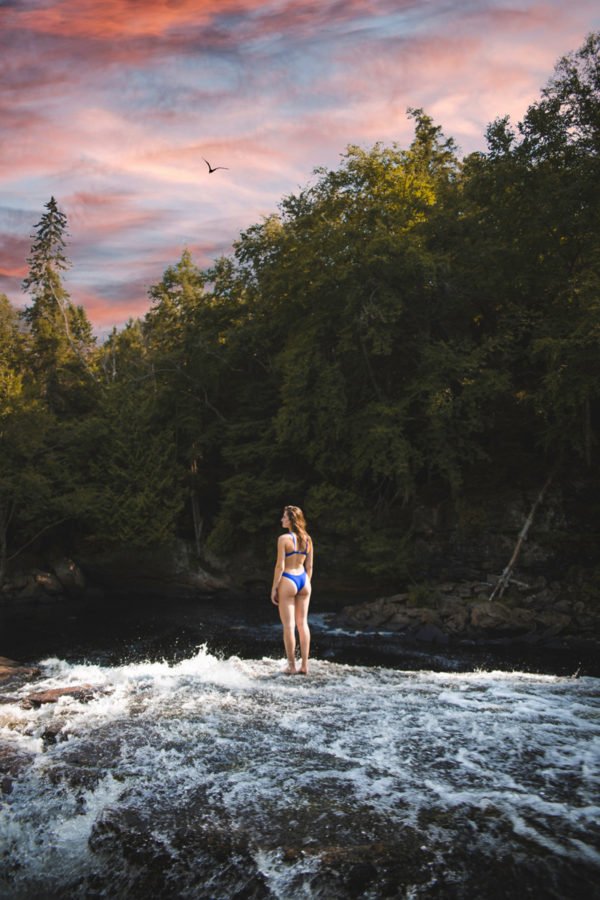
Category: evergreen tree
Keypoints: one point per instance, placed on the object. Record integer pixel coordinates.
(61, 335)
(34, 488)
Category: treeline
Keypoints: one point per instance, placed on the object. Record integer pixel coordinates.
(410, 326)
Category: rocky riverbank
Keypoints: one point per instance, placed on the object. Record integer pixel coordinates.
(537, 613)
(160, 572)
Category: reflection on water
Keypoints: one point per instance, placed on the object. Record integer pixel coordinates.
(221, 777)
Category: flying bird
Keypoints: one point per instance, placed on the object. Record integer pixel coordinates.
(212, 169)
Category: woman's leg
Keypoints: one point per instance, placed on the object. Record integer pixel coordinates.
(286, 595)
(301, 616)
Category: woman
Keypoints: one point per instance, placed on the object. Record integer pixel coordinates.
(291, 586)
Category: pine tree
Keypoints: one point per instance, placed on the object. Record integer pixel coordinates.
(61, 335)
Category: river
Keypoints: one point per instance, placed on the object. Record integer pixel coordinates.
(199, 770)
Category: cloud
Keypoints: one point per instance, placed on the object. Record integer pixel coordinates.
(111, 106)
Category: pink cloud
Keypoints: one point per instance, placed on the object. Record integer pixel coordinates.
(105, 314)
(111, 19)
(14, 251)
(111, 107)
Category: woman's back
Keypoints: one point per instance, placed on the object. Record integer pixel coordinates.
(296, 551)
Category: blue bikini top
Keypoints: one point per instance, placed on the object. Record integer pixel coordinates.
(301, 552)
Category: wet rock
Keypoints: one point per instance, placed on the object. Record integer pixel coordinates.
(30, 590)
(541, 600)
(10, 668)
(12, 763)
(400, 620)
(531, 611)
(455, 618)
(359, 877)
(9, 663)
(49, 583)
(82, 692)
(489, 615)
(70, 577)
(427, 616)
(198, 853)
(553, 623)
(370, 615)
(51, 734)
(378, 869)
(562, 605)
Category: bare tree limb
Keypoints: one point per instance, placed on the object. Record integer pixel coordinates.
(35, 537)
(505, 578)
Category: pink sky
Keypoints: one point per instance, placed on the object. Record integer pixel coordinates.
(110, 105)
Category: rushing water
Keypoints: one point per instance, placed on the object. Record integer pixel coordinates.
(219, 777)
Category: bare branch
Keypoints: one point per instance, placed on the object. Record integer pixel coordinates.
(505, 578)
(35, 537)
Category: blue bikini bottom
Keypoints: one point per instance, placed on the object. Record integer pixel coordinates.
(299, 580)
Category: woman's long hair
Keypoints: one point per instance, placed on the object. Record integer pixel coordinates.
(298, 525)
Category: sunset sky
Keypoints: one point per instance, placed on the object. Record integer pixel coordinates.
(111, 105)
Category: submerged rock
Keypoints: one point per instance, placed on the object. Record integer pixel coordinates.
(12, 763)
(82, 692)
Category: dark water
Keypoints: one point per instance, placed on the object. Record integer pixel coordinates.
(125, 629)
(198, 770)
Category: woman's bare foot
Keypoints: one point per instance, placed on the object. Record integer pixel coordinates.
(303, 671)
(291, 670)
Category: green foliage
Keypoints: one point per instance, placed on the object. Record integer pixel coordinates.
(60, 335)
(404, 329)
(137, 494)
(422, 595)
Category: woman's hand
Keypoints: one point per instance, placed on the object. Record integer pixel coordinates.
(274, 597)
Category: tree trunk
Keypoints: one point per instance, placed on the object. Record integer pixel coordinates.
(5, 517)
(588, 433)
(504, 579)
(196, 514)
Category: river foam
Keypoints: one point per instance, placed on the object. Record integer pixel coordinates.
(214, 775)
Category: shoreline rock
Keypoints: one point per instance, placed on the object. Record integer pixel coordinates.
(172, 572)
(10, 668)
(438, 614)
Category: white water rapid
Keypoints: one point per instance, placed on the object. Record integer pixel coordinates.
(224, 778)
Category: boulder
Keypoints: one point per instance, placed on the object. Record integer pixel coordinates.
(457, 620)
(49, 582)
(399, 620)
(449, 606)
(553, 622)
(30, 589)
(69, 576)
(490, 616)
(10, 668)
(82, 692)
(370, 615)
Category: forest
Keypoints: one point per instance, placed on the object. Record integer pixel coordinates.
(411, 327)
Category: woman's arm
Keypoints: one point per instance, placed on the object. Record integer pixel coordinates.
(308, 565)
(279, 567)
